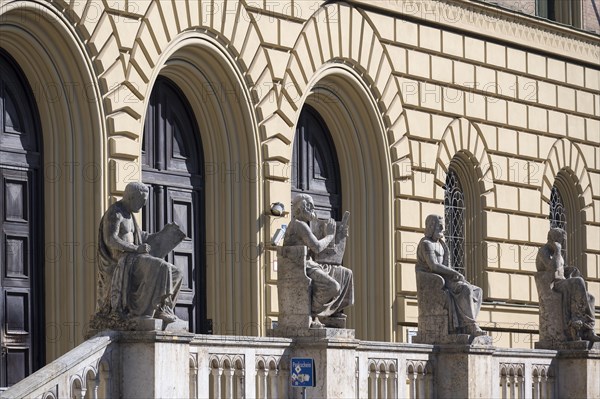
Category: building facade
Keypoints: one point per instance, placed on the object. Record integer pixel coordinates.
(392, 110)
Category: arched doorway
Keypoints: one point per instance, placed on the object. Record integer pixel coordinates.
(21, 226)
(315, 167)
(172, 162)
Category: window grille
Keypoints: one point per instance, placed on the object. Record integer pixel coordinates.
(558, 213)
(454, 209)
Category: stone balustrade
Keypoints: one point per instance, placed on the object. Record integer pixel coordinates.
(84, 372)
(163, 364)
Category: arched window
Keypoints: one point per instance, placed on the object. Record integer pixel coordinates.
(558, 214)
(454, 217)
(315, 168)
(565, 213)
(463, 218)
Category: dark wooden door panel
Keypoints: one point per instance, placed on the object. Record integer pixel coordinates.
(315, 169)
(172, 167)
(21, 228)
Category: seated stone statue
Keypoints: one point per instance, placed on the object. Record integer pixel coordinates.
(331, 285)
(566, 308)
(132, 283)
(448, 304)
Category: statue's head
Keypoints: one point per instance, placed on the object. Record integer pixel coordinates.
(303, 208)
(434, 226)
(135, 196)
(558, 235)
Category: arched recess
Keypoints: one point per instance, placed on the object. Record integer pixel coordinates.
(363, 96)
(339, 33)
(211, 81)
(565, 168)
(342, 99)
(67, 96)
(172, 168)
(463, 151)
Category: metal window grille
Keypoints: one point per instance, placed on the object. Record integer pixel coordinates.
(558, 213)
(454, 210)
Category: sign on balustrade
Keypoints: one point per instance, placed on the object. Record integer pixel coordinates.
(303, 372)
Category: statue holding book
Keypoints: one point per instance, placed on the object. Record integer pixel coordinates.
(332, 286)
(134, 281)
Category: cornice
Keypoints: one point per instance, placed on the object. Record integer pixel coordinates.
(496, 23)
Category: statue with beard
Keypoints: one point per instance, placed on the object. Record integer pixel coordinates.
(134, 282)
(332, 285)
(433, 256)
(555, 276)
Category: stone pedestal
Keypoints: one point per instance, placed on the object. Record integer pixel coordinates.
(552, 319)
(294, 290)
(579, 372)
(155, 364)
(463, 371)
(333, 351)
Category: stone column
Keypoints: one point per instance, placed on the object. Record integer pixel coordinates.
(464, 371)
(155, 364)
(334, 352)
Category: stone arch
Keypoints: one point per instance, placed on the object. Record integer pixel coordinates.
(462, 135)
(162, 25)
(214, 86)
(324, 71)
(330, 36)
(566, 155)
(130, 48)
(357, 131)
(65, 88)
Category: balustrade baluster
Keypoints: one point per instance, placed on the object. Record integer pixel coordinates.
(412, 386)
(520, 386)
(374, 376)
(513, 391)
(421, 386)
(79, 393)
(240, 387)
(274, 383)
(93, 388)
(383, 376)
(216, 374)
(228, 383)
(262, 384)
(393, 388)
(536, 387)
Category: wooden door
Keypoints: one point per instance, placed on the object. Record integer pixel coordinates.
(21, 228)
(315, 168)
(173, 169)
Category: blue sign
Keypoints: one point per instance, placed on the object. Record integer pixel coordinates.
(302, 372)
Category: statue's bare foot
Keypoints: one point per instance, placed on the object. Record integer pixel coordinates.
(316, 323)
(477, 332)
(164, 316)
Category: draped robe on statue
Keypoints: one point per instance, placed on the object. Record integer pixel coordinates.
(465, 299)
(332, 285)
(133, 284)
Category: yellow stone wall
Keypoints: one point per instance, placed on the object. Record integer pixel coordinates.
(403, 90)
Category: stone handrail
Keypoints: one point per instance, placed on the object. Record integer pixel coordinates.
(84, 368)
(210, 366)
